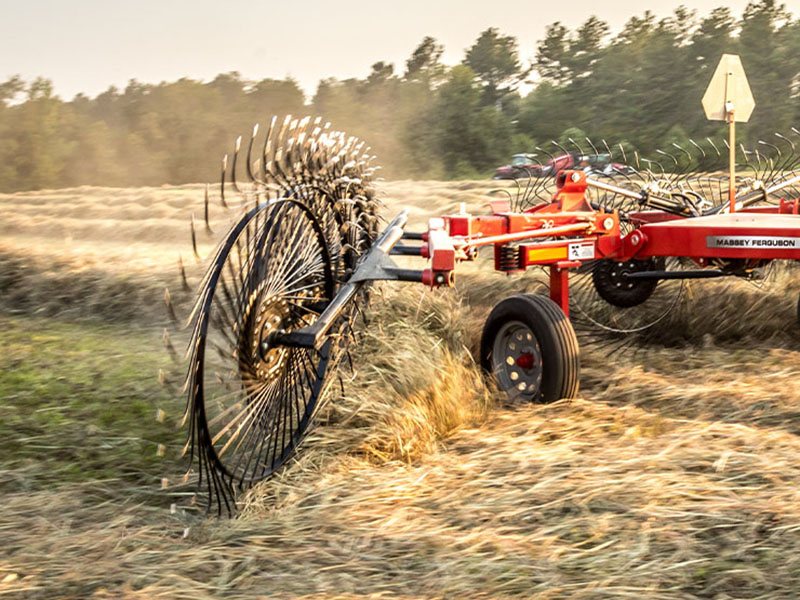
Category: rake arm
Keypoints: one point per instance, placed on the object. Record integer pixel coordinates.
(376, 265)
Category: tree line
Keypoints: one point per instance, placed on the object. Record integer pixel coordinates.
(640, 87)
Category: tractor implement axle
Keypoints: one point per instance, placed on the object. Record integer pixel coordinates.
(695, 274)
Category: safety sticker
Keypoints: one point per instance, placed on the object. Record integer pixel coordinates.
(752, 241)
(581, 251)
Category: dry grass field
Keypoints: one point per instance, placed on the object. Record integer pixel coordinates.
(676, 474)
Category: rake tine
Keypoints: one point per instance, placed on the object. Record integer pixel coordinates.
(684, 171)
(237, 148)
(773, 166)
(745, 154)
(249, 165)
(696, 145)
(622, 150)
(194, 240)
(574, 143)
(790, 156)
(785, 139)
(182, 270)
(170, 308)
(266, 149)
(168, 345)
(714, 146)
(594, 148)
(549, 155)
(560, 147)
(205, 212)
(222, 181)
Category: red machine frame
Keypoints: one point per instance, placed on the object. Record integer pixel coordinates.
(761, 233)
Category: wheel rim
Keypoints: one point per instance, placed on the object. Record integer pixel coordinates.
(517, 361)
(252, 400)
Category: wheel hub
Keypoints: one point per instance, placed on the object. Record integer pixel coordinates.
(613, 284)
(272, 316)
(525, 360)
(517, 360)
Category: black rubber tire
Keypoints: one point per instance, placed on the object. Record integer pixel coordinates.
(554, 334)
(611, 286)
(798, 310)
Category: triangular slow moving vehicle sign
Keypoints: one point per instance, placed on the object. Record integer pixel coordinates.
(729, 92)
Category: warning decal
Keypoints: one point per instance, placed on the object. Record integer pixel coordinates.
(752, 241)
(581, 251)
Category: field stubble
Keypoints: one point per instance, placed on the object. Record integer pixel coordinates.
(674, 475)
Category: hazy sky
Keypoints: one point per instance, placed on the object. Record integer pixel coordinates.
(88, 45)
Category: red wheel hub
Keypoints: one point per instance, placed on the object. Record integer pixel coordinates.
(525, 360)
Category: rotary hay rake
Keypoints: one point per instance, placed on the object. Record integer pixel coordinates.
(277, 309)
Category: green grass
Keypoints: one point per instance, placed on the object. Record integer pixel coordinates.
(78, 402)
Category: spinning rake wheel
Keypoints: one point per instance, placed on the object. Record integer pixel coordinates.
(250, 400)
(306, 214)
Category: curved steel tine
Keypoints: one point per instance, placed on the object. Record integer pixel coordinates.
(182, 271)
(773, 165)
(650, 163)
(790, 155)
(574, 143)
(237, 147)
(675, 173)
(594, 148)
(688, 168)
(769, 145)
(560, 147)
(549, 155)
(785, 139)
(612, 157)
(761, 161)
(250, 175)
(194, 240)
(696, 145)
(280, 143)
(501, 191)
(222, 181)
(662, 153)
(526, 193)
(205, 211)
(170, 307)
(663, 173)
(684, 150)
(608, 149)
(714, 146)
(267, 148)
(745, 152)
(497, 191)
(519, 195)
(532, 186)
(622, 151)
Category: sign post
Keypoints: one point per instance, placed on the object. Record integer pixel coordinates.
(728, 98)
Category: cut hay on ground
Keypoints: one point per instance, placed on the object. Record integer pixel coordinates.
(675, 475)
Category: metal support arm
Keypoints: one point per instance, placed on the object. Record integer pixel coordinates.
(375, 265)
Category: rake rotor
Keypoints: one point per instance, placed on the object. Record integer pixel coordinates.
(306, 215)
(683, 180)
